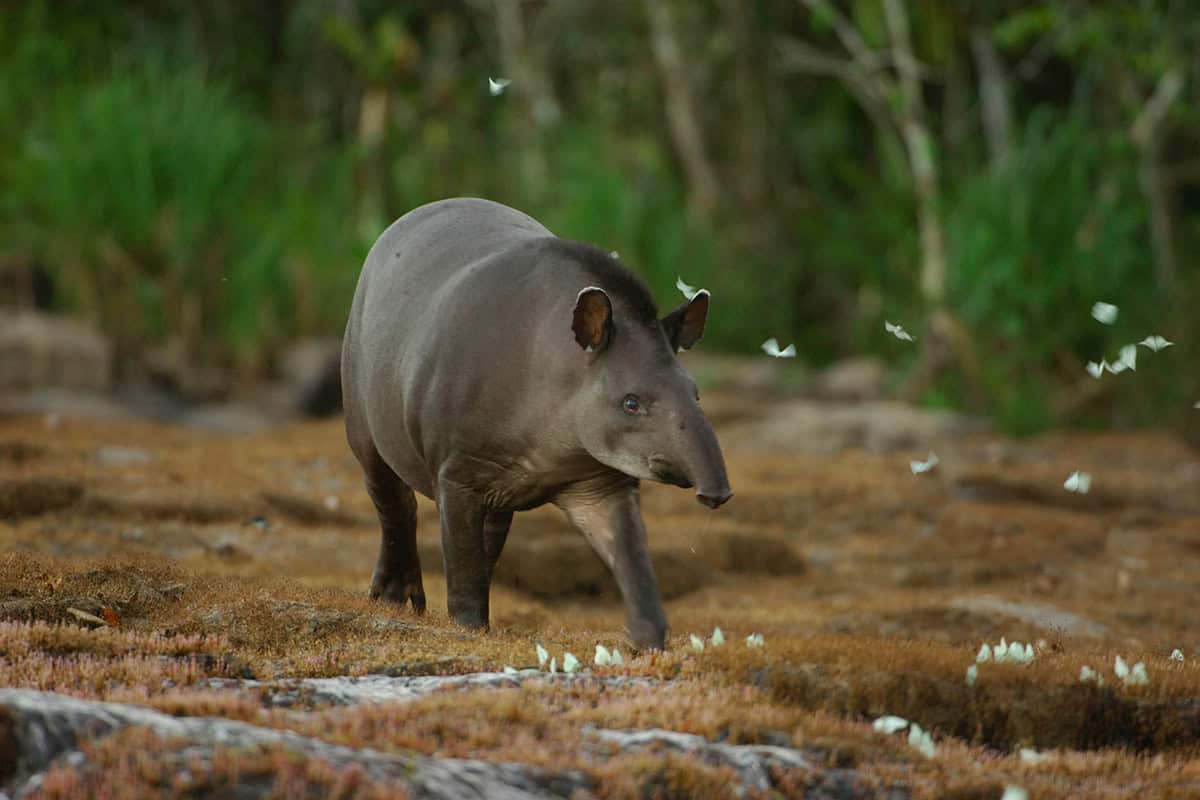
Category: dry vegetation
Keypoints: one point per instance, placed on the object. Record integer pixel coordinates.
(240, 557)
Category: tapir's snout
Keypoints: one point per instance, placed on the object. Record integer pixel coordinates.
(715, 499)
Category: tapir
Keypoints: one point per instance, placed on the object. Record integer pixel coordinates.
(494, 367)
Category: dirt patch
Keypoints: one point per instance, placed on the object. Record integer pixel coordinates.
(32, 496)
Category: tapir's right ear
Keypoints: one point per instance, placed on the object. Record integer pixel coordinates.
(592, 321)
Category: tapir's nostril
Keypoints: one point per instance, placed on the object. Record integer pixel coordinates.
(715, 500)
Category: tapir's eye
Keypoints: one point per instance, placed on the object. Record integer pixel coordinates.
(631, 404)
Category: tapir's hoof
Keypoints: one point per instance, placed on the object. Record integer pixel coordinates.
(647, 634)
(399, 592)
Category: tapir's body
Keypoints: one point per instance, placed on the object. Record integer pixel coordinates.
(490, 366)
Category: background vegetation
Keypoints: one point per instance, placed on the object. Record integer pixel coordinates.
(211, 174)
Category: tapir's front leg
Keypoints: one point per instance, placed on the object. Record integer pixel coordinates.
(612, 522)
(464, 554)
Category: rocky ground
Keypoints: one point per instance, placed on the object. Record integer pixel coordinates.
(184, 612)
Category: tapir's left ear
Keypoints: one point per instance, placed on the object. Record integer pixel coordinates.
(592, 319)
(685, 325)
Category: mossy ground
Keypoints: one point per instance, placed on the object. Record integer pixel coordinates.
(238, 556)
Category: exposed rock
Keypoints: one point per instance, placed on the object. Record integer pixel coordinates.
(815, 428)
(309, 512)
(343, 691)
(754, 764)
(855, 380)
(42, 726)
(232, 417)
(57, 403)
(311, 369)
(1043, 616)
(122, 456)
(38, 350)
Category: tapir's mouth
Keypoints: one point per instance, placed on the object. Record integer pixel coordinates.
(668, 473)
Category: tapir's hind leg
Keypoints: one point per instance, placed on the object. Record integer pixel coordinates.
(398, 573)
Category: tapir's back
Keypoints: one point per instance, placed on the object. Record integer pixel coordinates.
(403, 315)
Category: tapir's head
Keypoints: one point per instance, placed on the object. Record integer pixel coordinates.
(638, 410)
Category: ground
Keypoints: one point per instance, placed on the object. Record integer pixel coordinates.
(141, 561)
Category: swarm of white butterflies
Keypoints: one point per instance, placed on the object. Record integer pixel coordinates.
(1078, 482)
(497, 85)
(606, 659)
(898, 331)
(570, 663)
(689, 292)
(1005, 653)
(918, 738)
(1130, 676)
(919, 467)
(771, 348)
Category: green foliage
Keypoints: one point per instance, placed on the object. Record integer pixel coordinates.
(1033, 245)
(214, 173)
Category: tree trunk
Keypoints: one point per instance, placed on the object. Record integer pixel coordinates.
(1146, 133)
(681, 112)
(993, 96)
(529, 83)
(920, 156)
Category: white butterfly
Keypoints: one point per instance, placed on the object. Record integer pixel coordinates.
(617, 660)
(1138, 676)
(497, 85)
(890, 724)
(1031, 756)
(614, 254)
(1014, 792)
(984, 654)
(511, 670)
(771, 348)
(1104, 313)
(1121, 668)
(718, 637)
(972, 675)
(1128, 357)
(1087, 674)
(689, 292)
(553, 665)
(921, 740)
(697, 643)
(603, 657)
(918, 467)
(1177, 654)
(1096, 369)
(542, 656)
(1078, 482)
(1155, 343)
(754, 640)
(898, 331)
(570, 663)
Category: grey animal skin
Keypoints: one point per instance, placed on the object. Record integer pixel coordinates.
(494, 367)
